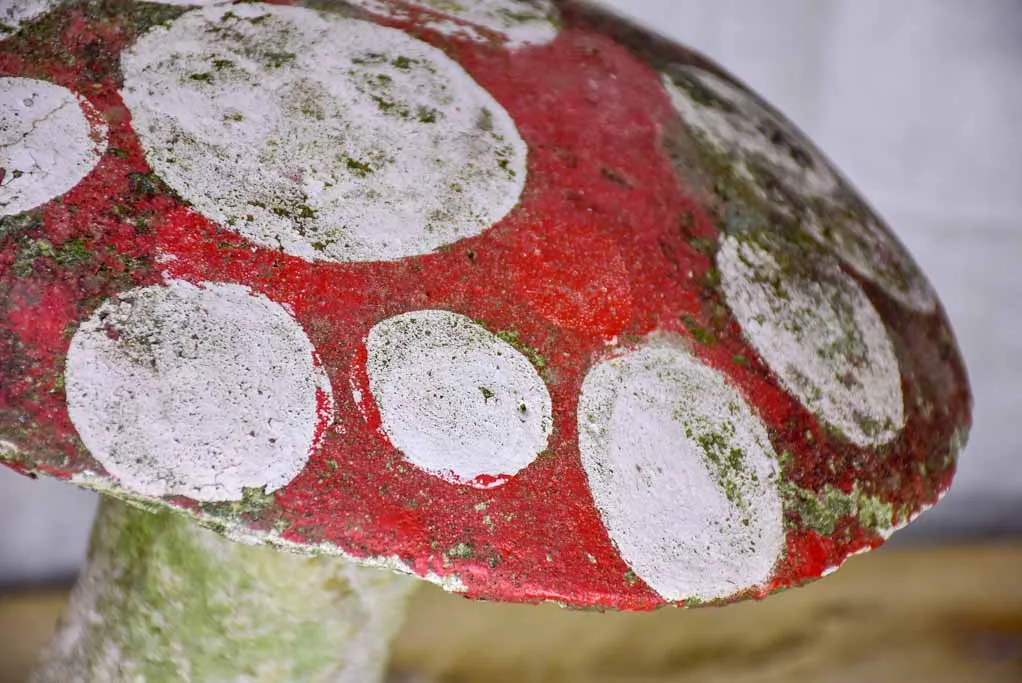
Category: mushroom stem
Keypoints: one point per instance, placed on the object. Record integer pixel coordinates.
(161, 599)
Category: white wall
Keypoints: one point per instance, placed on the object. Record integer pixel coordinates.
(920, 103)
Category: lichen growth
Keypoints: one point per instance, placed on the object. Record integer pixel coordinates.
(513, 337)
(179, 603)
(822, 512)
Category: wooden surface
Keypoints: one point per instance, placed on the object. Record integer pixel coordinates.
(930, 615)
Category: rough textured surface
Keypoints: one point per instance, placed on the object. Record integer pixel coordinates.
(614, 242)
(458, 401)
(163, 601)
(200, 391)
(49, 140)
(816, 328)
(369, 148)
(14, 13)
(682, 472)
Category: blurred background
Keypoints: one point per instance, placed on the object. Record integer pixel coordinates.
(919, 102)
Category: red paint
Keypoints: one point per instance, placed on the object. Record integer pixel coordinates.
(601, 248)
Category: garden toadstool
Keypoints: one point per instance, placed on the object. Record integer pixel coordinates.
(511, 296)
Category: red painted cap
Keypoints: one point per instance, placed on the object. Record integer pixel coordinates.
(519, 298)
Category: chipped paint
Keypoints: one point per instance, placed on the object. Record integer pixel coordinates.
(815, 327)
(326, 137)
(50, 139)
(196, 390)
(682, 472)
(455, 399)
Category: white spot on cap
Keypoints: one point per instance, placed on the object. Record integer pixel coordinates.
(16, 13)
(682, 472)
(522, 22)
(733, 122)
(47, 145)
(877, 256)
(758, 142)
(195, 391)
(323, 136)
(456, 400)
(816, 329)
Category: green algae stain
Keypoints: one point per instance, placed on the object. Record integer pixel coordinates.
(513, 338)
(183, 604)
(823, 511)
(701, 334)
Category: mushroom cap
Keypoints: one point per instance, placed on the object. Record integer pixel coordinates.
(519, 298)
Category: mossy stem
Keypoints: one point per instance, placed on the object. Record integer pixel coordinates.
(161, 599)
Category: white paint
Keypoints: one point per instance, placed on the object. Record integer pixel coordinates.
(47, 145)
(816, 329)
(16, 13)
(682, 472)
(326, 137)
(878, 256)
(520, 22)
(735, 123)
(456, 400)
(195, 391)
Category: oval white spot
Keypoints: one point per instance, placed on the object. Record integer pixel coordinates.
(877, 256)
(16, 13)
(521, 22)
(733, 122)
(196, 391)
(816, 329)
(682, 472)
(456, 400)
(326, 137)
(47, 144)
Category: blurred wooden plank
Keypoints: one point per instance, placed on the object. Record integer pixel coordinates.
(26, 622)
(936, 615)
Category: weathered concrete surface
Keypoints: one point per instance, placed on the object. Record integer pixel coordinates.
(639, 204)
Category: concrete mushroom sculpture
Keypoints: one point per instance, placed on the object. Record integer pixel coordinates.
(508, 295)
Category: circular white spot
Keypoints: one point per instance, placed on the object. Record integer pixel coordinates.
(733, 122)
(16, 13)
(327, 137)
(877, 256)
(816, 329)
(456, 400)
(195, 391)
(682, 472)
(521, 22)
(47, 145)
